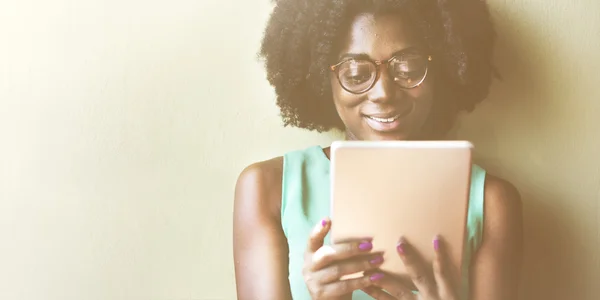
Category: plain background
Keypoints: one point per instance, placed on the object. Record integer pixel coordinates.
(124, 124)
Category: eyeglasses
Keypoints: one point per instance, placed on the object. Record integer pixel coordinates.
(408, 70)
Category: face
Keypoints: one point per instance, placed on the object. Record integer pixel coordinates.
(395, 104)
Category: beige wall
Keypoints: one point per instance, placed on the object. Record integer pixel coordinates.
(541, 130)
(123, 125)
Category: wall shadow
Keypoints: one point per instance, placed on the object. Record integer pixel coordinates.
(509, 129)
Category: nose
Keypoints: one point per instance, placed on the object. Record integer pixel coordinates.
(384, 89)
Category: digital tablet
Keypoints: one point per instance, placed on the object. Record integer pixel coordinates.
(388, 189)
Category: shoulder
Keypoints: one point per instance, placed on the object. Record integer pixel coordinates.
(503, 222)
(502, 199)
(258, 186)
(263, 172)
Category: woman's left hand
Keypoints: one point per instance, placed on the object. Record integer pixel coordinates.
(435, 284)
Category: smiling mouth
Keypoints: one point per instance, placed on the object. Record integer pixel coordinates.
(385, 120)
(390, 118)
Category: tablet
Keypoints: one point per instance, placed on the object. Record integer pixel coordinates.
(388, 189)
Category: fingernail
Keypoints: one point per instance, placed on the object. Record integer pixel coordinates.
(436, 243)
(365, 246)
(376, 276)
(323, 222)
(400, 247)
(377, 260)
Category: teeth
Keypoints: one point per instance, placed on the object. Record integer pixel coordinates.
(384, 120)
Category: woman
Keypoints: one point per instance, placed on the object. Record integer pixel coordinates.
(378, 70)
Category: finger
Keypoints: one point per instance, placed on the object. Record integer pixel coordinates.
(441, 271)
(416, 269)
(317, 236)
(377, 293)
(344, 287)
(394, 287)
(329, 254)
(336, 271)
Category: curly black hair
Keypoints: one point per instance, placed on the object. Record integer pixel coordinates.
(302, 37)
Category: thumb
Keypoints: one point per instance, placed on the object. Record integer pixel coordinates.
(317, 236)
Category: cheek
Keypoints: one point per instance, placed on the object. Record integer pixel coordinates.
(423, 96)
(342, 99)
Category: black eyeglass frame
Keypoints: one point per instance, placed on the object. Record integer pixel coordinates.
(378, 65)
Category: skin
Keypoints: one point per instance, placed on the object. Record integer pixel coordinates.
(260, 246)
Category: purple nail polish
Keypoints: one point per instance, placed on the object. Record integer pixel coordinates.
(323, 222)
(400, 247)
(377, 260)
(365, 246)
(376, 276)
(436, 244)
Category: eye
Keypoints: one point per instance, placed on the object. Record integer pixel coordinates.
(356, 72)
(408, 67)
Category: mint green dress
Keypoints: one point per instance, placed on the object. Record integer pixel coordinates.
(305, 201)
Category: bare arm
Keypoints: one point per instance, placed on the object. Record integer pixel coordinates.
(260, 247)
(496, 268)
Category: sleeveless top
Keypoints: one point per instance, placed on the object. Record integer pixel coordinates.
(305, 201)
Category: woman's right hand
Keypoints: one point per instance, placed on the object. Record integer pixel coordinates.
(324, 265)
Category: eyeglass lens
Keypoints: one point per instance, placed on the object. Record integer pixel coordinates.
(407, 70)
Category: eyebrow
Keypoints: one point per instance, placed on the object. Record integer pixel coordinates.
(366, 56)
